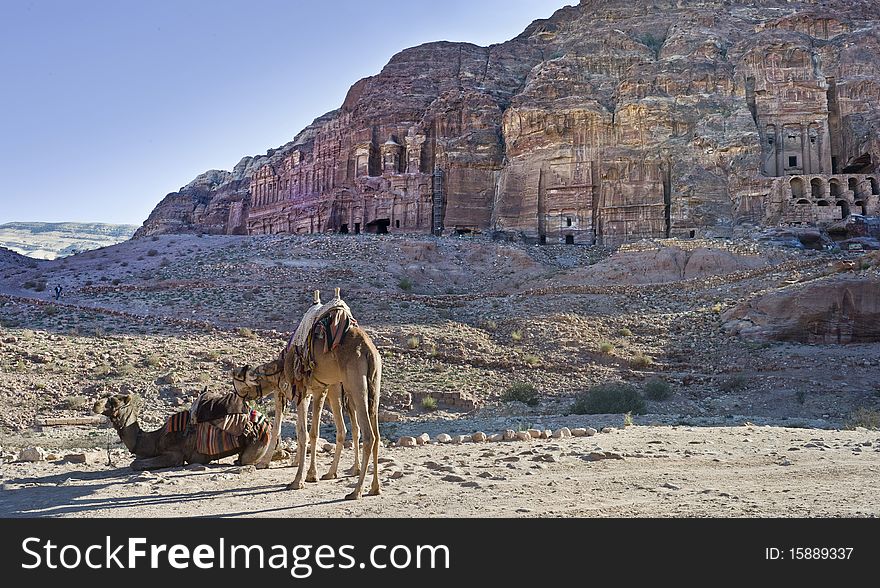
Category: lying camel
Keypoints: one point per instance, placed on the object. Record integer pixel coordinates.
(163, 448)
(253, 383)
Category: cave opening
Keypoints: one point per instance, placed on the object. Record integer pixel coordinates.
(379, 226)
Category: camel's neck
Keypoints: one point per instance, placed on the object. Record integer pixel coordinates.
(139, 442)
(130, 434)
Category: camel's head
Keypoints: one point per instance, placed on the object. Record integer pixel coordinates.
(121, 409)
(243, 381)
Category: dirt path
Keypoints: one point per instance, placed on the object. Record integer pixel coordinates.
(665, 471)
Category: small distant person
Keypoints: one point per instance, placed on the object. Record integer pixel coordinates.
(58, 292)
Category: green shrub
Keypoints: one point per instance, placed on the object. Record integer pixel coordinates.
(516, 336)
(405, 284)
(640, 361)
(413, 342)
(606, 348)
(246, 333)
(430, 403)
(865, 417)
(624, 332)
(152, 252)
(657, 389)
(733, 383)
(532, 360)
(75, 402)
(521, 392)
(609, 398)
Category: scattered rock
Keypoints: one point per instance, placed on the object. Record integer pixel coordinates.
(590, 431)
(388, 417)
(671, 486)
(443, 438)
(248, 469)
(423, 439)
(479, 437)
(546, 434)
(496, 437)
(607, 429)
(462, 439)
(523, 436)
(562, 433)
(509, 435)
(453, 478)
(578, 432)
(534, 433)
(76, 458)
(407, 442)
(32, 454)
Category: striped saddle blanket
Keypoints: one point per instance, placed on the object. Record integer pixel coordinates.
(222, 435)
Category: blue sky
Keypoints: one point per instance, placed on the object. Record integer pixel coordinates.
(106, 106)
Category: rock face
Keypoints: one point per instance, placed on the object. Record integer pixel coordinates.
(840, 310)
(607, 122)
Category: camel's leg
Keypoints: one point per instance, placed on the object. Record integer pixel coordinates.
(355, 470)
(317, 407)
(276, 432)
(356, 388)
(164, 460)
(373, 416)
(301, 433)
(335, 398)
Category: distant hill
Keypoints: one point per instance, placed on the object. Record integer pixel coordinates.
(52, 240)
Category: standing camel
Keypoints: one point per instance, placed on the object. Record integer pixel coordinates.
(255, 383)
(356, 365)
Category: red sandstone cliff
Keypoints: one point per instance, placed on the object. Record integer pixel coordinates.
(609, 121)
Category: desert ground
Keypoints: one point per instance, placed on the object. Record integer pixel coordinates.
(752, 426)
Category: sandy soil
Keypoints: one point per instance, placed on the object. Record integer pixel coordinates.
(648, 471)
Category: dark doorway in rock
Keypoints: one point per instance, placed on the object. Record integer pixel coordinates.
(343, 230)
(834, 186)
(823, 203)
(462, 232)
(397, 224)
(862, 208)
(357, 228)
(568, 221)
(874, 188)
(803, 201)
(569, 239)
(693, 234)
(853, 186)
(844, 208)
(543, 240)
(792, 161)
(797, 188)
(379, 226)
(816, 188)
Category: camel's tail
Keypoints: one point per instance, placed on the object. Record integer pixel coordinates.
(374, 381)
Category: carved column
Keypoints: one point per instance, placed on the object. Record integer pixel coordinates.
(779, 144)
(805, 153)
